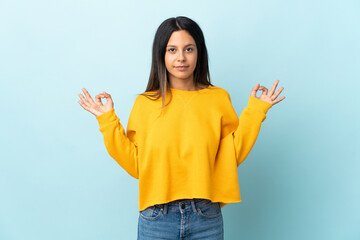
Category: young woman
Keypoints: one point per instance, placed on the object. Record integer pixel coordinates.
(184, 140)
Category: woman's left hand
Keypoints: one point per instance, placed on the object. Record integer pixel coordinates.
(268, 97)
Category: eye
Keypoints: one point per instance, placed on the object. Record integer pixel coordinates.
(170, 49)
(190, 49)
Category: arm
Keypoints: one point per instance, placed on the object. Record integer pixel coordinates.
(248, 129)
(118, 145)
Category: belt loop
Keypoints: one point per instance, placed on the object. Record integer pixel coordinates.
(193, 205)
(165, 208)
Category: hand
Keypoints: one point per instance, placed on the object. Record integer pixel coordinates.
(268, 97)
(96, 108)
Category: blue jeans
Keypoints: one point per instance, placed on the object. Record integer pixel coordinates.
(182, 220)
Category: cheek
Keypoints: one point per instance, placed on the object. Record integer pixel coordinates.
(194, 60)
(168, 59)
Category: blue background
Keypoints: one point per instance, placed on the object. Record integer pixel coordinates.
(57, 181)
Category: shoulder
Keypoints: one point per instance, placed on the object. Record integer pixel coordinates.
(219, 92)
(145, 101)
(222, 90)
(145, 97)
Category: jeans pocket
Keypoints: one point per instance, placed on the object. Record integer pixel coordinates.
(209, 210)
(151, 213)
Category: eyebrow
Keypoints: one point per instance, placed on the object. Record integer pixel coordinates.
(185, 45)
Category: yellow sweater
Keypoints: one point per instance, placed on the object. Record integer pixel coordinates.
(191, 151)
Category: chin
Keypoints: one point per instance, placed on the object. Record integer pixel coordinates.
(182, 77)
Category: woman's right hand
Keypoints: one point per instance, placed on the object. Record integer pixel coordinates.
(96, 108)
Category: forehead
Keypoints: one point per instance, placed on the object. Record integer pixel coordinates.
(181, 37)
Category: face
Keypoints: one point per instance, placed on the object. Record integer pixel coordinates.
(181, 51)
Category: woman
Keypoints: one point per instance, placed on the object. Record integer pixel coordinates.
(184, 140)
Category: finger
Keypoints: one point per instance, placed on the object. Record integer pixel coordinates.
(272, 90)
(84, 106)
(254, 90)
(277, 93)
(278, 100)
(107, 96)
(265, 90)
(98, 98)
(87, 94)
(85, 101)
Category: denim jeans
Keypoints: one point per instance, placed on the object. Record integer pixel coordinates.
(182, 220)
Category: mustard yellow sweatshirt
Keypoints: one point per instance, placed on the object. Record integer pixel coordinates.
(192, 150)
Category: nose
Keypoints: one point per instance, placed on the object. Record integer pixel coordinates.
(181, 57)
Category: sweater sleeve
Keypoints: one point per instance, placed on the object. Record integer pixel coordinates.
(123, 148)
(250, 121)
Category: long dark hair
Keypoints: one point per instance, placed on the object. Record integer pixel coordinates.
(158, 80)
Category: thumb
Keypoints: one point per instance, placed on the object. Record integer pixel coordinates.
(254, 90)
(108, 98)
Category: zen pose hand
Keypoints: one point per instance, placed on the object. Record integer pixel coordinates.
(96, 108)
(268, 97)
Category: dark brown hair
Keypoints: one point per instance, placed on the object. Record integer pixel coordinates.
(158, 79)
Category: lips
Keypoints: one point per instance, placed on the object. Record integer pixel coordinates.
(181, 67)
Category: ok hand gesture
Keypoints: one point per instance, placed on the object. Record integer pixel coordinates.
(96, 108)
(268, 97)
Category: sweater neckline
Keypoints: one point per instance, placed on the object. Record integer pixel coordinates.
(190, 92)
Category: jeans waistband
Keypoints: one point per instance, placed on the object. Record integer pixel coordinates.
(186, 201)
(183, 205)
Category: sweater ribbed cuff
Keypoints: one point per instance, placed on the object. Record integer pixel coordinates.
(258, 105)
(107, 117)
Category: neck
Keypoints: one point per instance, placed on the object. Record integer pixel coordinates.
(183, 84)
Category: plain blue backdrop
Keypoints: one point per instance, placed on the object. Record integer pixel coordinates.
(301, 179)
